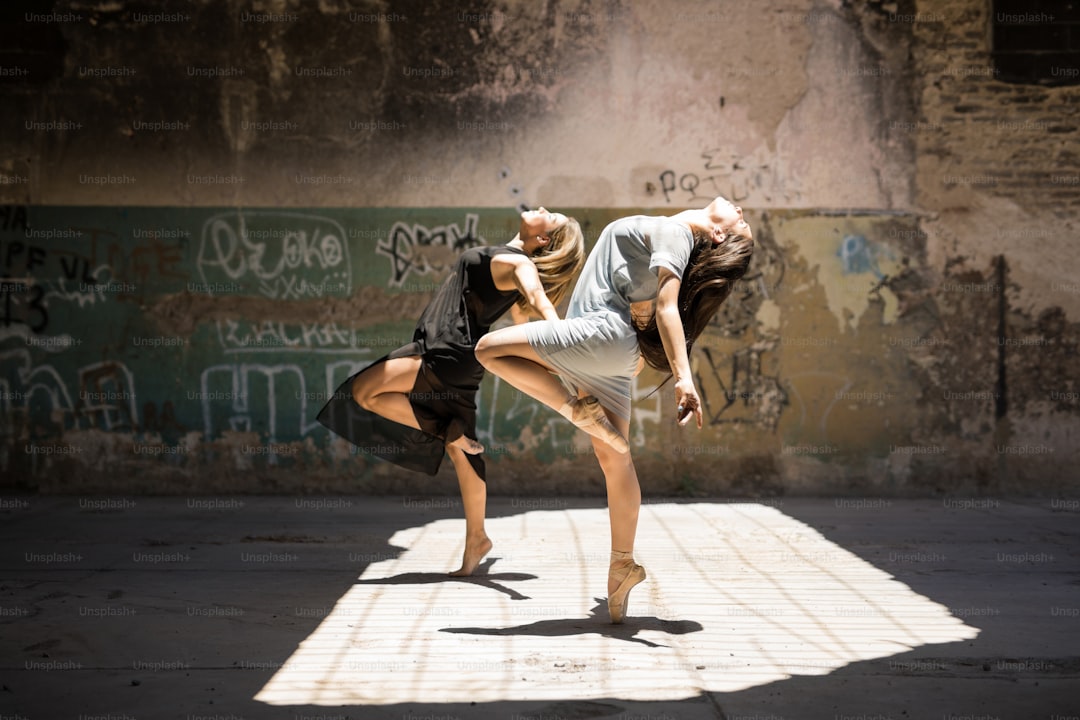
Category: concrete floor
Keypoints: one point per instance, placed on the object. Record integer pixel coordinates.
(320, 608)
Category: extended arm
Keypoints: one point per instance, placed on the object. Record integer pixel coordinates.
(673, 336)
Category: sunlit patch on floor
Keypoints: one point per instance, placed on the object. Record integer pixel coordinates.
(737, 596)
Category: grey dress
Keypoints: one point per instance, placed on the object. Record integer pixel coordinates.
(595, 348)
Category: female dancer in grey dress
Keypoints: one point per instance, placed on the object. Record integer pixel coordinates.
(648, 290)
(418, 403)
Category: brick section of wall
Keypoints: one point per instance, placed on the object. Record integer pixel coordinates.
(1015, 141)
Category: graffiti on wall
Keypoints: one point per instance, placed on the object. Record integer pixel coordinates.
(272, 400)
(44, 268)
(734, 389)
(733, 175)
(39, 395)
(859, 255)
(266, 378)
(507, 408)
(23, 304)
(274, 336)
(282, 256)
(419, 250)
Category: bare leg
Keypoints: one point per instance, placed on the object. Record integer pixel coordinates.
(623, 491)
(624, 505)
(474, 498)
(508, 354)
(384, 390)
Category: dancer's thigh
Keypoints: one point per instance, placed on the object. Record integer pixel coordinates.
(510, 341)
(393, 375)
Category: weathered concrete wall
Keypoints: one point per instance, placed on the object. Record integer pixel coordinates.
(174, 350)
(998, 180)
(910, 326)
(595, 104)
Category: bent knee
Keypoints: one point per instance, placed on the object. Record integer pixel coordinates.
(485, 350)
(609, 457)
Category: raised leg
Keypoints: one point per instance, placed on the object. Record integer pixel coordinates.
(384, 389)
(508, 354)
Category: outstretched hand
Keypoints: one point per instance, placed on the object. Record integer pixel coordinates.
(687, 402)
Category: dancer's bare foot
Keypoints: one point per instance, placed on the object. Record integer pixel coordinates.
(475, 550)
(467, 445)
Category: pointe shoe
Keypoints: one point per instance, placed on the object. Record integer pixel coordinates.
(588, 414)
(627, 576)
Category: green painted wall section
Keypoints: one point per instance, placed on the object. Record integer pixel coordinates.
(189, 349)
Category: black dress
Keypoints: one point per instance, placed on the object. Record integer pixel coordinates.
(443, 397)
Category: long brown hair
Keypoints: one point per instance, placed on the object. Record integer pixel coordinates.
(559, 262)
(708, 279)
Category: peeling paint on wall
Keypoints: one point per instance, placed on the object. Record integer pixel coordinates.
(838, 357)
(909, 324)
(850, 266)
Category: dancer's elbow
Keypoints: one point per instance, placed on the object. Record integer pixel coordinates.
(667, 315)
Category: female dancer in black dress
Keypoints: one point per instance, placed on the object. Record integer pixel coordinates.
(419, 400)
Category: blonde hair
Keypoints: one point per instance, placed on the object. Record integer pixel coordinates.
(559, 262)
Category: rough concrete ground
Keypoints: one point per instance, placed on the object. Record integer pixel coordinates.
(225, 608)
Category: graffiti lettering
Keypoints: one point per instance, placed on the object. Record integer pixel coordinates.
(37, 396)
(107, 396)
(748, 396)
(13, 217)
(23, 304)
(689, 183)
(507, 407)
(72, 268)
(156, 259)
(288, 255)
(30, 256)
(238, 336)
(240, 384)
(423, 251)
(734, 176)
